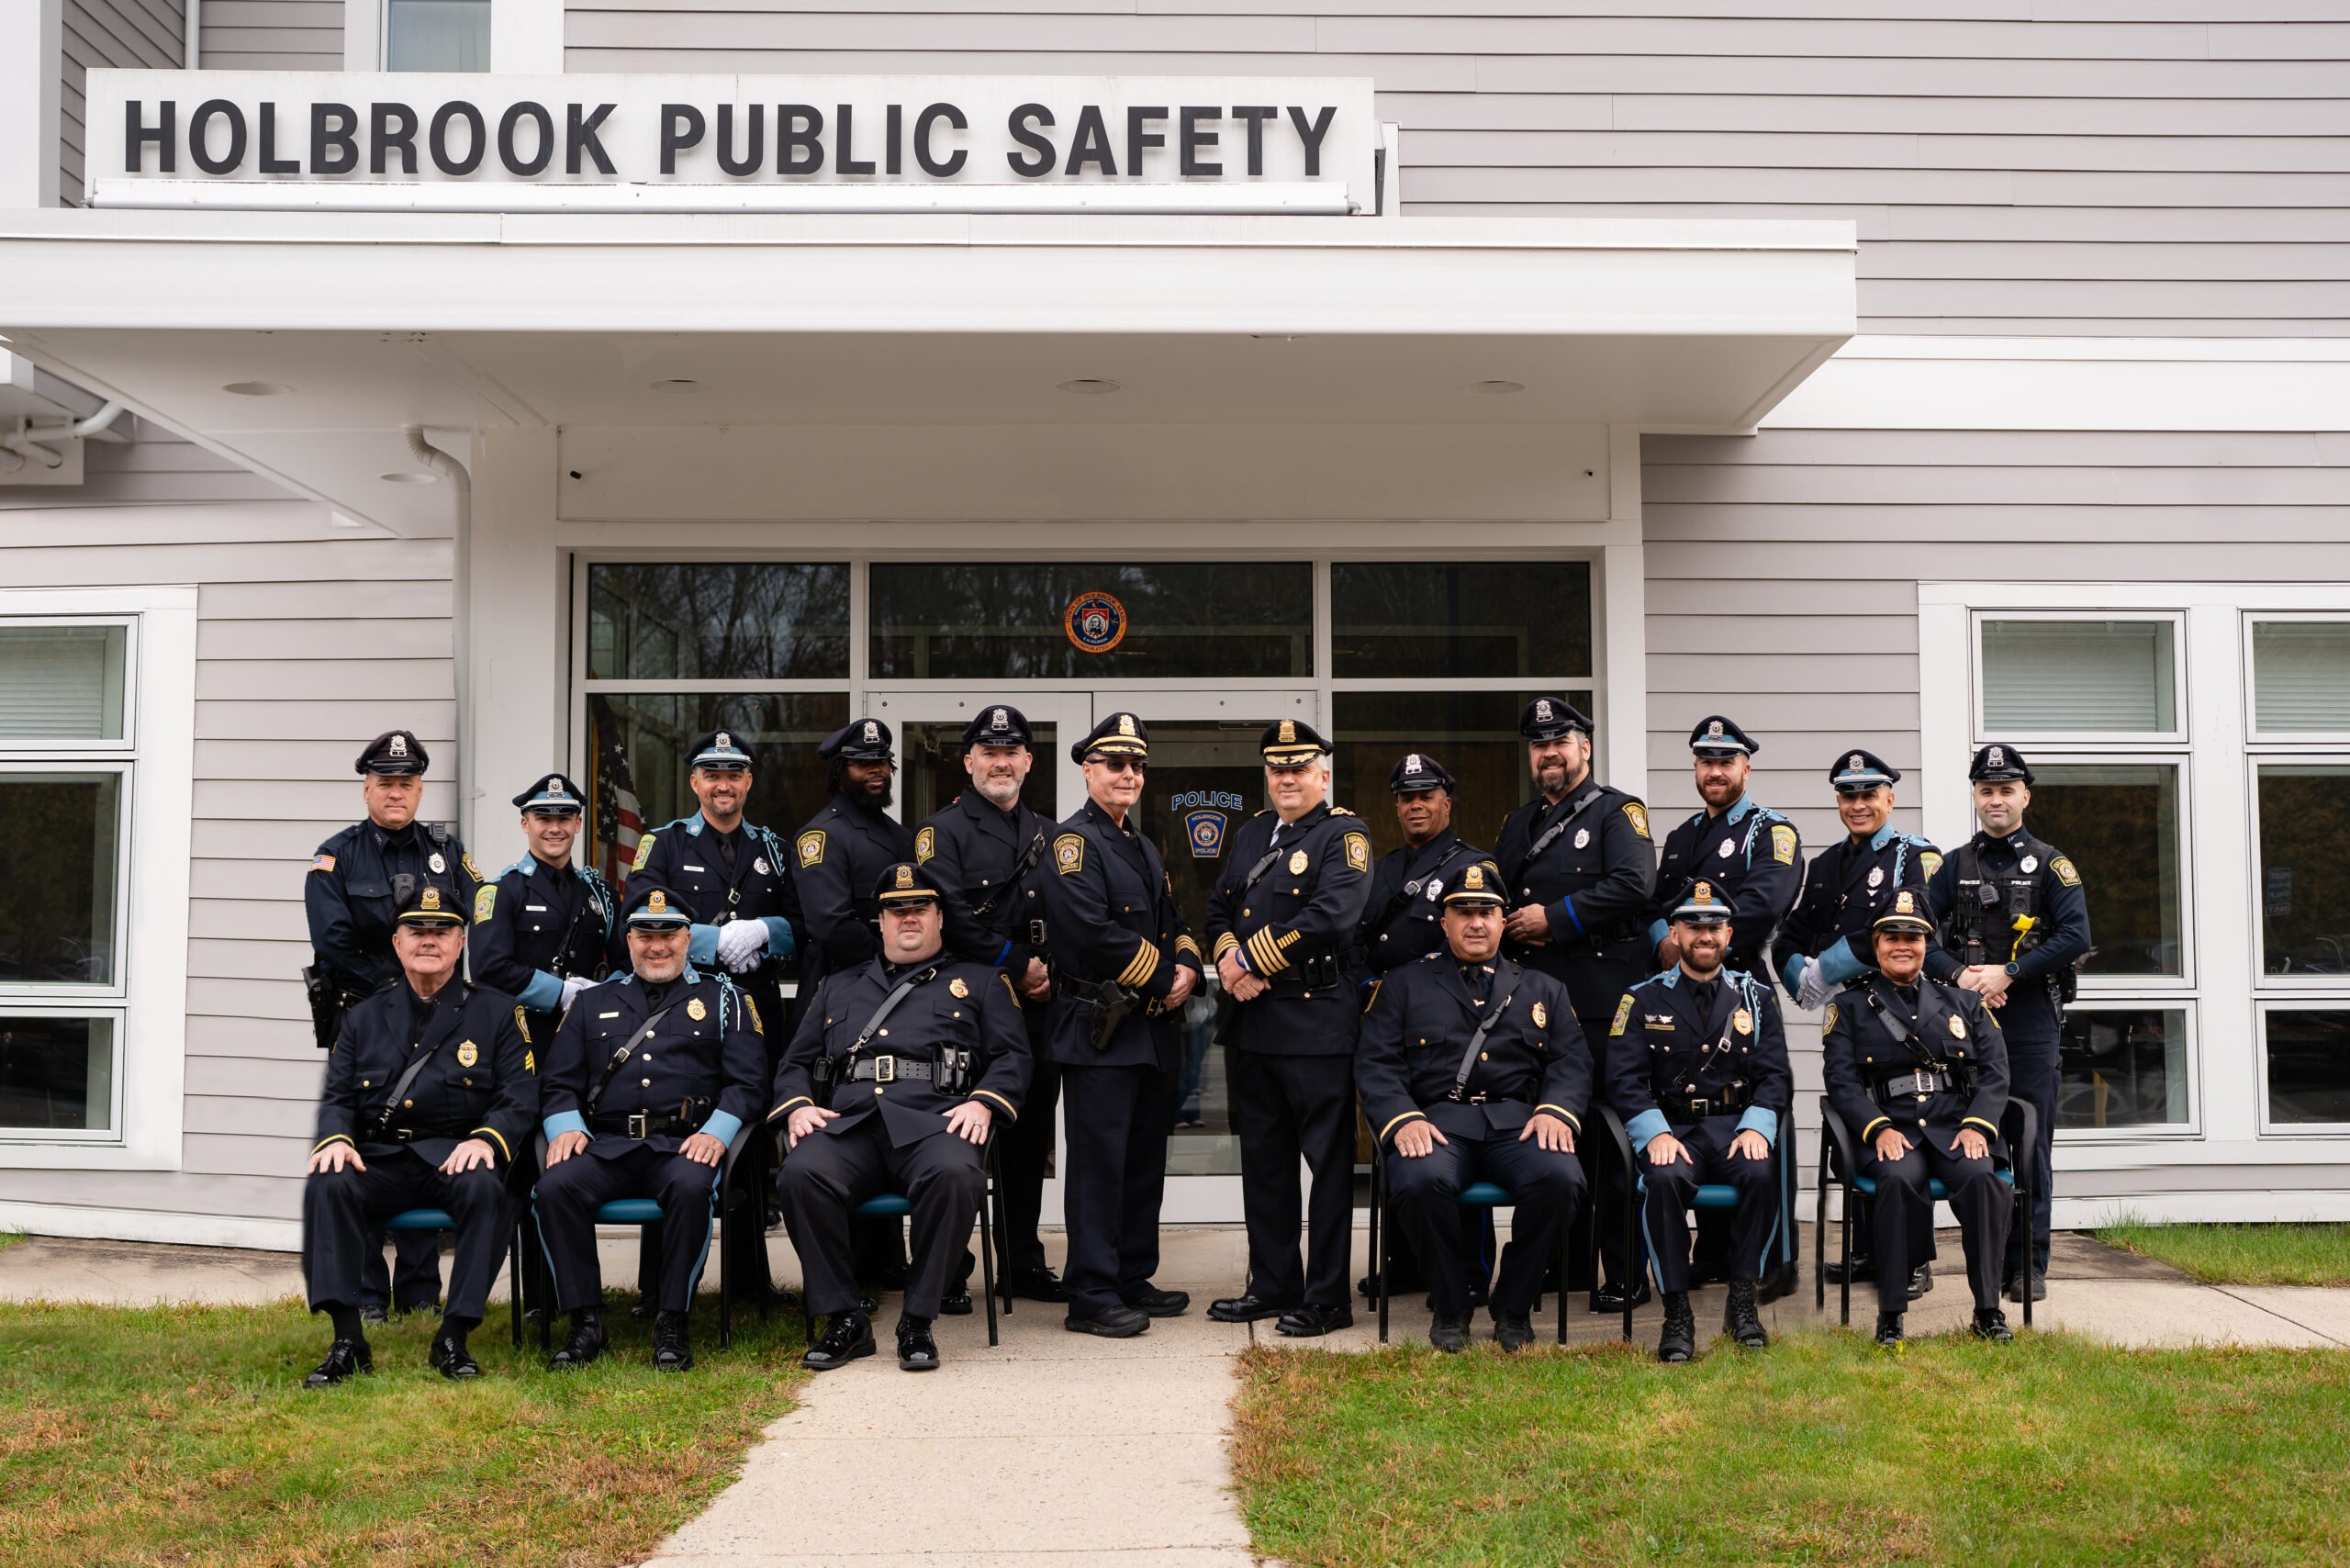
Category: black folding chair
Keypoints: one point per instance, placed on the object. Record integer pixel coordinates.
(1477, 1195)
(897, 1206)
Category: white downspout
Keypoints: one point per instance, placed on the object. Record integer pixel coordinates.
(455, 471)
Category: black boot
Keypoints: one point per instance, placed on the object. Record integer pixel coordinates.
(1741, 1321)
(1679, 1341)
(673, 1349)
(449, 1356)
(345, 1357)
(1449, 1335)
(847, 1336)
(1921, 1280)
(917, 1351)
(1513, 1331)
(1991, 1324)
(586, 1343)
(1888, 1330)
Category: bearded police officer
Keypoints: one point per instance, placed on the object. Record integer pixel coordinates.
(1918, 1067)
(986, 850)
(649, 1079)
(358, 881)
(1580, 867)
(1472, 1069)
(1826, 941)
(2015, 925)
(1281, 923)
(1701, 1079)
(1750, 855)
(1123, 962)
(543, 930)
(892, 1085)
(430, 1092)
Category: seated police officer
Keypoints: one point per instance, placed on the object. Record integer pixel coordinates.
(892, 1085)
(1472, 1069)
(648, 1080)
(1699, 1072)
(429, 1091)
(1921, 1067)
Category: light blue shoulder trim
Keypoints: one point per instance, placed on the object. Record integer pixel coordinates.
(1739, 807)
(1882, 836)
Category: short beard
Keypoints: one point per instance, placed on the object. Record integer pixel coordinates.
(1003, 793)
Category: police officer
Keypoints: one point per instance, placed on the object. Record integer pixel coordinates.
(2014, 926)
(1749, 853)
(1919, 1067)
(358, 880)
(1123, 961)
(649, 1079)
(1701, 1079)
(1826, 941)
(1473, 1069)
(986, 849)
(430, 1092)
(1580, 868)
(892, 1085)
(1281, 923)
(543, 930)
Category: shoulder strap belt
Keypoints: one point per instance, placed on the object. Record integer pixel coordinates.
(1574, 809)
(612, 1063)
(1402, 901)
(1717, 1030)
(889, 1005)
(1020, 868)
(1484, 1027)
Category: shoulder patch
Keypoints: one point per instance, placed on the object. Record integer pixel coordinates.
(322, 863)
(466, 860)
(1930, 862)
(811, 847)
(2063, 867)
(1359, 851)
(1623, 1014)
(643, 851)
(485, 904)
(1828, 1019)
(521, 1024)
(925, 845)
(1639, 815)
(1782, 844)
(1069, 853)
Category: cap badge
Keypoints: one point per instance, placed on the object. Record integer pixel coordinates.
(658, 903)
(725, 741)
(998, 720)
(1412, 764)
(1852, 763)
(1714, 729)
(431, 899)
(555, 786)
(1541, 710)
(1996, 757)
(1904, 905)
(1289, 731)
(1702, 893)
(905, 875)
(1126, 725)
(1473, 880)
(400, 744)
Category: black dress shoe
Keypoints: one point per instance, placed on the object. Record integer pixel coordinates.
(673, 1349)
(1616, 1296)
(1041, 1285)
(345, 1358)
(641, 1309)
(1513, 1331)
(868, 1300)
(847, 1336)
(1888, 1330)
(1678, 1342)
(956, 1303)
(1248, 1308)
(1312, 1320)
(1449, 1334)
(1859, 1268)
(450, 1359)
(1156, 1303)
(917, 1351)
(2013, 1288)
(1110, 1322)
(1921, 1280)
(374, 1315)
(585, 1344)
(1991, 1324)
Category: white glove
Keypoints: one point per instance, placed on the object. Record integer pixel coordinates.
(573, 987)
(1811, 991)
(740, 943)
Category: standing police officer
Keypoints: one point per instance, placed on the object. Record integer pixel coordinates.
(1123, 961)
(1473, 1069)
(648, 1080)
(359, 880)
(1281, 922)
(429, 1093)
(1580, 869)
(1749, 853)
(1828, 940)
(543, 930)
(1403, 911)
(986, 849)
(1918, 1067)
(2015, 924)
(1704, 1087)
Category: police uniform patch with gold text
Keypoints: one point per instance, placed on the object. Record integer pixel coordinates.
(1783, 844)
(485, 904)
(1639, 815)
(1069, 853)
(811, 847)
(2065, 872)
(1623, 1014)
(1828, 1019)
(925, 845)
(1357, 852)
(643, 851)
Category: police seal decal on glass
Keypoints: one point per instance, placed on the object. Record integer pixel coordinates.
(1742, 1021)
(1095, 622)
(925, 845)
(1203, 831)
(696, 1011)
(1958, 1025)
(1623, 1014)
(811, 847)
(1069, 853)
(1640, 815)
(1783, 844)
(1357, 852)
(1297, 863)
(468, 1053)
(956, 988)
(2065, 872)
(485, 902)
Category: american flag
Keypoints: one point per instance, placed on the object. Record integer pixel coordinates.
(619, 820)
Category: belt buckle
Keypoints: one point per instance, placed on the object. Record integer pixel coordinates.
(403, 1135)
(1924, 1081)
(1700, 1109)
(885, 1070)
(639, 1124)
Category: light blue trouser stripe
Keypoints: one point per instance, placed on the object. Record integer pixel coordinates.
(694, 1284)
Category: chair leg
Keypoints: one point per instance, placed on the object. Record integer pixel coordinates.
(2023, 1207)
(1638, 1264)
(1566, 1254)
(987, 1252)
(1844, 1261)
(1378, 1232)
(546, 1316)
(516, 1273)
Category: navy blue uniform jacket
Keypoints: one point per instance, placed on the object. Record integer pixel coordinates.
(1420, 1025)
(707, 1047)
(968, 1006)
(479, 1078)
(1303, 907)
(1112, 917)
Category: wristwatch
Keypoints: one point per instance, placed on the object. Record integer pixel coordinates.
(2011, 971)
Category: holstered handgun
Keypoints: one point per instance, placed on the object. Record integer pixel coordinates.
(325, 1011)
(1112, 1005)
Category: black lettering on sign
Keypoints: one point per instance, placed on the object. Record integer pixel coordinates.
(135, 133)
(1256, 114)
(391, 128)
(579, 136)
(1092, 142)
(844, 158)
(436, 138)
(269, 162)
(893, 128)
(199, 138)
(1137, 139)
(508, 141)
(754, 152)
(1190, 141)
(1022, 124)
(947, 168)
(1310, 136)
(682, 128)
(799, 139)
(334, 147)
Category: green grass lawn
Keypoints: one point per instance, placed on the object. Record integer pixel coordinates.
(2242, 1254)
(182, 1434)
(1824, 1450)
(9, 1239)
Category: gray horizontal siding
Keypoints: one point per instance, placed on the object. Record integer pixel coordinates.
(292, 615)
(154, 467)
(100, 33)
(2132, 167)
(271, 35)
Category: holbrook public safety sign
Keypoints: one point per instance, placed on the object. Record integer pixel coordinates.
(410, 141)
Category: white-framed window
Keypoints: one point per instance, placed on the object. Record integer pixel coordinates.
(436, 35)
(96, 740)
(2059, 676)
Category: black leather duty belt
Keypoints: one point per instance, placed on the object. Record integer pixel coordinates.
(648, 1124)
(889, 1069)
(1920, 1081)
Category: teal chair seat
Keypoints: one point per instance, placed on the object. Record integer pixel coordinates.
(413, 1220)
(630, 1211)
(421, 1219)
(1484, 1196)
(887, 1205)
(1866, 1185)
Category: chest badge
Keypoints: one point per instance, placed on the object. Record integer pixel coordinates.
(696, 1011)
(1541, 1017)
(1958, 1025)
(1876, 876)
(1728, 848)
(760, 864)
(2027, 864)
(1297, 863)
(1742, 1021)
(440, 866)
(467, 1054)
(956, 988)
(1583, 838)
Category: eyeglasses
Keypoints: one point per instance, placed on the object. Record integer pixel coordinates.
(1120, 764)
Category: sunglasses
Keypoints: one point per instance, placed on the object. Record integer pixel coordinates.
(1120, 764)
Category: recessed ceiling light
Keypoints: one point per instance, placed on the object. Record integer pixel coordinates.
(1090, 386)
(1496, 388)
(257, 388)
(678, 387)
(409, 476)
